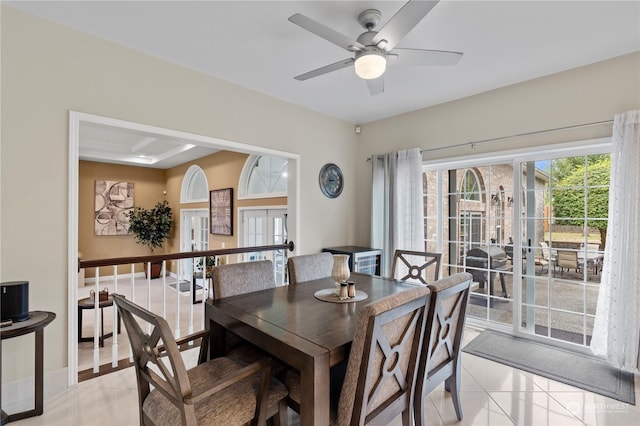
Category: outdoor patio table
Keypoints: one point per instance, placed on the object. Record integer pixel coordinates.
(292, 325)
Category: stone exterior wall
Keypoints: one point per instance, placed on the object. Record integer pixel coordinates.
(494, 211)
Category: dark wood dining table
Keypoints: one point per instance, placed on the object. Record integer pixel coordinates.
(292, 325)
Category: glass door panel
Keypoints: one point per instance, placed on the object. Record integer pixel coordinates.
(469, 218)
(564, 218)
(266, 227)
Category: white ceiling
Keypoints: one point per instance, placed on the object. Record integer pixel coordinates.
(253, 44)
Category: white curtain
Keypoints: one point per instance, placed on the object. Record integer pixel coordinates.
(397, 218)
(616, 331)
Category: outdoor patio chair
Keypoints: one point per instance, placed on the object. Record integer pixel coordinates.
(220, 391)
(309, 267)
(548, 256)
(567, 259)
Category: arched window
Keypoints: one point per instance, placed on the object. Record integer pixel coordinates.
(195, 188)
(470, 189)
(263, 177)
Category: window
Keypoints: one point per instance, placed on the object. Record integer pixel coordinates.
(470, 187)
(264, 177)
(195, 188)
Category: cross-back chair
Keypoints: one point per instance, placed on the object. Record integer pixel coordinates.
(382, 369)
(415, 264)
(376, 383)
(309, 267)
(220, 391)
(441, 354)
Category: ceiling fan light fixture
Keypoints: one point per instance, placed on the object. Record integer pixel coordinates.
(370, 63)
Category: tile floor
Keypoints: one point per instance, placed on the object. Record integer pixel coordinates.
(492, 394)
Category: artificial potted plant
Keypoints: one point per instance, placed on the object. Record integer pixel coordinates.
(151, 228)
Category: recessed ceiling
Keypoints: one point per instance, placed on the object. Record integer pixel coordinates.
(116, 145)
(253, 44)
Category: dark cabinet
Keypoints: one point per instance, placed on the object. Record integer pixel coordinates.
(363, 260)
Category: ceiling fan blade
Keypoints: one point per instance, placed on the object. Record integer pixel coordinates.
(425, 57)
(376, 85)
(326, 69)
(403, 22)
(326, 33)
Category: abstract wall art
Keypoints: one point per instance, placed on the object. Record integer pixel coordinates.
(221, 209)
(114, 199)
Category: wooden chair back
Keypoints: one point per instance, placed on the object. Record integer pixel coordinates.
(309, 267)
(171, 377)
(414, 265)
(192, 397)
(441, 354)
(382, 367)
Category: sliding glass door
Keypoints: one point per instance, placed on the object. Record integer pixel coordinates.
(565, 225)
(535, 252)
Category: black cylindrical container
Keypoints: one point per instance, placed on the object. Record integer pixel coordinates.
(14, 301)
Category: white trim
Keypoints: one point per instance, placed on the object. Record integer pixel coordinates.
(263, 196)
(585, 147)
(244, 176)
(75, 120)
(72, 247)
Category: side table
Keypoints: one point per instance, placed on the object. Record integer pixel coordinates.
(37, 321)
(88, 303)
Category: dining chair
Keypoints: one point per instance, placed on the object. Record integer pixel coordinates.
(414, 265)
(309, 267)
(440, 358)
(240, 278)
(221, 391)
(377, 382)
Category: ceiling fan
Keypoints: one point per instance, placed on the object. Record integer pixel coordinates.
(374, 49)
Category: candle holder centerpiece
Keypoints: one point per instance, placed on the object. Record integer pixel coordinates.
(340, 271)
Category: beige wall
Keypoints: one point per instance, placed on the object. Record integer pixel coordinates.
(48, 70)
(223, 170)
(588, 94)
(148, 190)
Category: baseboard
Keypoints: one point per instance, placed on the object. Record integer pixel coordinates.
(18, 396)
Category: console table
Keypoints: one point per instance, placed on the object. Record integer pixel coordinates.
(37, 321)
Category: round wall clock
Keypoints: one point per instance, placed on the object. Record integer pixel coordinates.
(331, 180)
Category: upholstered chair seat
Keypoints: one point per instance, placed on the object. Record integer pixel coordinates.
(235, 406)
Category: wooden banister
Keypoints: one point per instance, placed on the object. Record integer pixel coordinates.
(181, 255)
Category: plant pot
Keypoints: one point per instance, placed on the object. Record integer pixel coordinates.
(156, 269)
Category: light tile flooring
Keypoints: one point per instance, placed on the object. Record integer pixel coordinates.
(492, 394)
